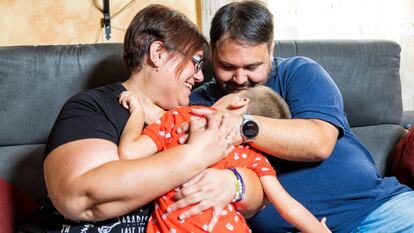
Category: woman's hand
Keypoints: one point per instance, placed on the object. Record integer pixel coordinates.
(208, 137)
(212, 188)
(233, 122)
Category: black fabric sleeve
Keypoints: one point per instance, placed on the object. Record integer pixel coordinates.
(82, 116)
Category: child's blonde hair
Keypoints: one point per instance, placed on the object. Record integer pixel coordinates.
(263, 101)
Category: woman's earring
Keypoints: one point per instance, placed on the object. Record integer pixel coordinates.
(156, 66)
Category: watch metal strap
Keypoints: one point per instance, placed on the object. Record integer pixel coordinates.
(247, 117)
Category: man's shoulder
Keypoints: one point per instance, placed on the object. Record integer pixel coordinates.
(206, 94)
(205, 87)
(295, 61)
(298, 66)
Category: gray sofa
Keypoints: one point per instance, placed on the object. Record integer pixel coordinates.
(35, 81)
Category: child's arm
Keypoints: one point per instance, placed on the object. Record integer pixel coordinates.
(132, 144)
(290, 209)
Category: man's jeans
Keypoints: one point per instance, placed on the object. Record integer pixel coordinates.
(396, 215)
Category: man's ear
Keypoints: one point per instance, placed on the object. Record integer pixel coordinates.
(157, 53)
(239, 103)
(271, 52)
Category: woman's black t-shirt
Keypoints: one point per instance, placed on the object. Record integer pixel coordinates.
(93, 113)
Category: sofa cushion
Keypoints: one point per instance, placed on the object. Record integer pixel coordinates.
(36, 80)
(22, 166)
(380, 140)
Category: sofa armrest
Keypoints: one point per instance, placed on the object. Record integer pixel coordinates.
(408, 119)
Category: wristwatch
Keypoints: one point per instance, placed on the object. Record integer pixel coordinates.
(249, 128)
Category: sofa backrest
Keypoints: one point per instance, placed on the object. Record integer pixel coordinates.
(35, 81)
(367, 74)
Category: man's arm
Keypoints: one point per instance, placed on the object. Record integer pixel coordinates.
(305, 140)
(296, 139)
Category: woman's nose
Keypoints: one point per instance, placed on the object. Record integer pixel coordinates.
(199, 76)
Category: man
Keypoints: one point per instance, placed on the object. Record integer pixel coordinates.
(319, 160)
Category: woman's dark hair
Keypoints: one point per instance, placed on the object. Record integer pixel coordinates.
(157, 22)
(246, 21)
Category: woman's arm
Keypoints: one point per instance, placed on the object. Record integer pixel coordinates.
(87, 181)
(216, 187)
(290, 209)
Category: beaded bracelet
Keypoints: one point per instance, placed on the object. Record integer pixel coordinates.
(240, 187)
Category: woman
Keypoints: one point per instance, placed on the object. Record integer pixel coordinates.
(89, 186)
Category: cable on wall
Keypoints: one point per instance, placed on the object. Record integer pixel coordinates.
(107, 19)
(111, 18)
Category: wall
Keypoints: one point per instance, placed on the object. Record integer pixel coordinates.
(44, 22)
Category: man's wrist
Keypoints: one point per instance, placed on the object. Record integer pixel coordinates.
(249, 129)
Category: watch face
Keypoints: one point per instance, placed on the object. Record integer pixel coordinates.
(250, 129)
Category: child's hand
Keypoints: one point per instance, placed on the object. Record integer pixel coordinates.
(130, 101)
(323, 222)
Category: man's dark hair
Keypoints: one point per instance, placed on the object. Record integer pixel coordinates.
(247, 21)
(157, 22)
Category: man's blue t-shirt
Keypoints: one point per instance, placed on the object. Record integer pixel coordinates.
(346, 187)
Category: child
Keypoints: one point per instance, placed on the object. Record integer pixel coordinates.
(162, 135)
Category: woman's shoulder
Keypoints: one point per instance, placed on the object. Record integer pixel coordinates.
(100, 92)
(97, 96)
